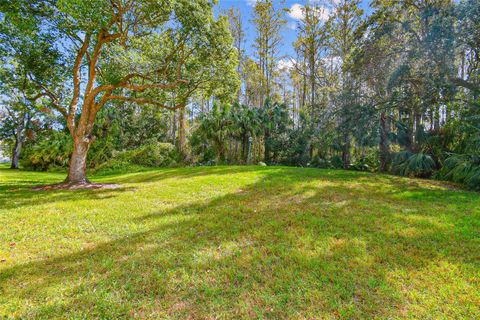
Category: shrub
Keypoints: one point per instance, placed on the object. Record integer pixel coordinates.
(462, 168)
(319, 162)
(151, 155)
(50, 153)
(359, 166)
(410, 164)
(336, 162)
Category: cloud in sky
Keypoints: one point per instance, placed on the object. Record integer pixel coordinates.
(297, 12)
(251, 2)
(285, 64)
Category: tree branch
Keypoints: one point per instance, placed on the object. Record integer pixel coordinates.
(76, 82)
(464, 83)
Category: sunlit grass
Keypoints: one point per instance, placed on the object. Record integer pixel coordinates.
(239, 242)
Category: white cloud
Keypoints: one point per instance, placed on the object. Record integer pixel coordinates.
(297, 12)
(285, 64)
(251, 2)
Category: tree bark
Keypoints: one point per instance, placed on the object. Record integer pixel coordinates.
(244, 147)
(346, 151)
(77, 172)
(18, 143)
(266, 155)
(383, 145)
(16, 153)
(181, 134)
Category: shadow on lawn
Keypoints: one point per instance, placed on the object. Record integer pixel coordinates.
(14, 197)
(275, 249)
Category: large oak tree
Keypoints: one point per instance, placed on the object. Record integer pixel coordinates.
(138, 51)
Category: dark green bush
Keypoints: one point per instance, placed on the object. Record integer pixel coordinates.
(409, 164)
(319, 162)
(462, 168)
(52, 152)
(336, 162)
(151, 155)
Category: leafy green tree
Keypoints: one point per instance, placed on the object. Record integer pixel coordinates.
(344, 28)
(268, 22)
(101, 39)
(215, 129)
(246, 123)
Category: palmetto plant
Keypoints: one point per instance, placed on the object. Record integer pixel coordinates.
(419, 164)
(246, 123)
(216, 127)
(464, 167)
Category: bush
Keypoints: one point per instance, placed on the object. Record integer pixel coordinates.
(359, 166)
(336, 162)
(50, 153)
(318, 162)
(151, 155)
(410, 164)
(462, 168)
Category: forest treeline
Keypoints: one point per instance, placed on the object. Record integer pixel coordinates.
(114, 84)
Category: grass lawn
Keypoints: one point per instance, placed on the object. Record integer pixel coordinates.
(239, 242)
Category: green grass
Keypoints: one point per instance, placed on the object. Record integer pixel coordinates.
(239, 242)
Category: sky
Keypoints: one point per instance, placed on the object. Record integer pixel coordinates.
(289, 33)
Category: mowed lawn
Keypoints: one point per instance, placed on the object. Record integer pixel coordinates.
(239, 242)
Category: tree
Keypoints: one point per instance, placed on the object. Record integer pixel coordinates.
(246, 122)
(238, 34)
(343, 29)
(310, 44)
(216, 127)
(101, 39)
(24, 50)
(268, 23)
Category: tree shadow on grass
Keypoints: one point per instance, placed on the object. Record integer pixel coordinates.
(179, 173)
(275, 249)
(15, 198)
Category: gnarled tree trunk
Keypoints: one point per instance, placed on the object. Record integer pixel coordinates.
(77, 171)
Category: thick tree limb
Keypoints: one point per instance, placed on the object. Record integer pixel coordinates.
(76, 83)
(465, 84)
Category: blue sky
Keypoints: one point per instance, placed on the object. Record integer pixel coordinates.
(289, 32)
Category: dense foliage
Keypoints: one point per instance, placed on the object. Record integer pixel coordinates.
(395, 90)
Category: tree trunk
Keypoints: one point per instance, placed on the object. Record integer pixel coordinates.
(77, 171)
(221, 153)
(18, 143)
(383, 145)
(346, 151)
(182, 144)
(245, 147)
(16, 153)
(266, 155)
